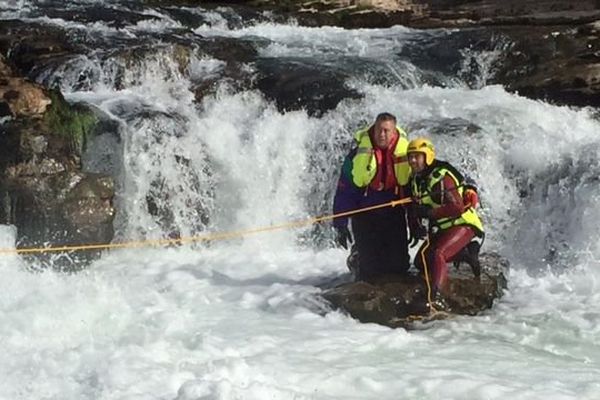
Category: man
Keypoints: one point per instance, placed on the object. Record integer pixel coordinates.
(440, 195)
(375, 172)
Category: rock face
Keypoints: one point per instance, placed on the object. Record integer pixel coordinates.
(435, 13)
(559, 63)
(43, 190)
(397, 301)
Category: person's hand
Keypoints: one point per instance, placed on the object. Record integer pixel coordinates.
(422, 211)
(417, 233)
(343, 236)
(470, 198)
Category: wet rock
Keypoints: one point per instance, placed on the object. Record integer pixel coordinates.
(457, 127)
(557, 63)
(31, 46)
(23, 98)
(88, 208)
(236, 73)
(434, 13)
(296, 85)
(43, 190)
(19, 97)
(397, 301)
(5, 69)
(228, 49)
(554, 45)
(111, 16)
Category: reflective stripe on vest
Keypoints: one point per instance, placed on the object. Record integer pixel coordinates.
(468, 217)
(364, 163)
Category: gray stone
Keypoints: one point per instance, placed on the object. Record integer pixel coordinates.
(399, 301)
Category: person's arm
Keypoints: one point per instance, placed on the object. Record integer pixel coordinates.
(347, 195)
(451, 201)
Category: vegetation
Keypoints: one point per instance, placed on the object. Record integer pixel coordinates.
(72, 122)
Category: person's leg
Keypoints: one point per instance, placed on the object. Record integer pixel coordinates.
(469, 255)
(444, 247)
(366, 236)
(395, 257)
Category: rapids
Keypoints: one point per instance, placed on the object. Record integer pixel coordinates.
(238, 318)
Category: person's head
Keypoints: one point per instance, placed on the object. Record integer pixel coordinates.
(384, 130)
(420, 154)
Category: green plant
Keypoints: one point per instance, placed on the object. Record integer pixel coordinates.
(72, 122)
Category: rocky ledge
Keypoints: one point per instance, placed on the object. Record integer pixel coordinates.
(43, 190)
(553, 47)
(400, 301)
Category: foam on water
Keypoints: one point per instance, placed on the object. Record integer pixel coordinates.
(235, 322)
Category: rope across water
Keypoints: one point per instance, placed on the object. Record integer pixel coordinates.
(199, 238)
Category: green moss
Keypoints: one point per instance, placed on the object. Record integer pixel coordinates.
(72, 122)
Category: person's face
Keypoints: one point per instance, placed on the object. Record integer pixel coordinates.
(417, 162)
(384, 133)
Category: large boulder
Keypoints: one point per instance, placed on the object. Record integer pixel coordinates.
(43, 190)
(399, 301)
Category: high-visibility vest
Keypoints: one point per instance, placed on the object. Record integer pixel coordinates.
(424, 193)
(364, 163)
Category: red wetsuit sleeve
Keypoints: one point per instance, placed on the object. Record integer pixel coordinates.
(450, 200)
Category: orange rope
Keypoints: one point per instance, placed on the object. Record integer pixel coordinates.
(425, 270)
(200, 238)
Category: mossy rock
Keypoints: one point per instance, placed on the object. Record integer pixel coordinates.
(73, 122)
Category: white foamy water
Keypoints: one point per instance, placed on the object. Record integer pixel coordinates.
(298, 41)
(241, 318)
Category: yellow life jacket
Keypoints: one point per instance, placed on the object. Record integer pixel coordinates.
(364, 163)
(424, 192)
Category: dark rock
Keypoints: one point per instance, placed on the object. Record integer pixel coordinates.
(111, 16)
(457, 127)
(235, 74)
(228, 49)
(29, 46)
(5, 70)
(295, 84)
(555, 63)
(435, 13)
(5, 109)
(555, 52)
(43, 191)
(398, 301)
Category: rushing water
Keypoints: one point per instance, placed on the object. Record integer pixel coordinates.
(239, 319)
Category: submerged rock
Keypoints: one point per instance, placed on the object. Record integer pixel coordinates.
(397, 301)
